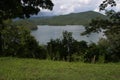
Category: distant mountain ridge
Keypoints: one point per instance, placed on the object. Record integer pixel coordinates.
(82, 18)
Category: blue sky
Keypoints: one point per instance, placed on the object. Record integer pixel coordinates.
(62, 7)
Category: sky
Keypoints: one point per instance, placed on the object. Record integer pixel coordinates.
(62, 7)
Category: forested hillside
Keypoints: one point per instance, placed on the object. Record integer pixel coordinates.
(83, 18)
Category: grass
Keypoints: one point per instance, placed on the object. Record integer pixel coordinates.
(33, 69)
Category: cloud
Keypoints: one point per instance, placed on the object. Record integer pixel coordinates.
(73, 6)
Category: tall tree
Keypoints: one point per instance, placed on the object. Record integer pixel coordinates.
(111, 27)
(67, 42)
(20, 8)
(19, 43)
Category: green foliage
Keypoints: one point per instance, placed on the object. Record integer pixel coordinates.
(114, 48)
(26, 23)
(83, 18)
(67, 42)
(111, 29)
(63, 47)
(22, 8)
(10, 9)
(54, 48)
(18, 42)
(33, 69)
(105, 3)
(67, 48)
(103, 45)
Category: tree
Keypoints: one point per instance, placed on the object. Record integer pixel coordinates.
(67, 43)
(61, 48)
(18, 42)
(79, 50)
(111, 27)
(54, 49)
(114, 48)
(92, 53)
(66, 48)
(103, 46)
(20, 8)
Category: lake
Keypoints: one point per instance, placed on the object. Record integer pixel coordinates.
(44, 33)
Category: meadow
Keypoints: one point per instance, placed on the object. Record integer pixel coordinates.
(34, 69)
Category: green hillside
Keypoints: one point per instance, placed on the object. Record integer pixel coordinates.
(82, 18)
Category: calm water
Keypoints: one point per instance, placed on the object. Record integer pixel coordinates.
(44, 33)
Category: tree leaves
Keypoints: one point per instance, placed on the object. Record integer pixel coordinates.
(22, 8)
(105, 3)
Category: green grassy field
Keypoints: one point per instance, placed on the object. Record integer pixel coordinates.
(32, 69)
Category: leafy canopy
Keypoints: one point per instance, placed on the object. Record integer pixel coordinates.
(22, 8)
(19, 8)
(105, 3)
(111, 28)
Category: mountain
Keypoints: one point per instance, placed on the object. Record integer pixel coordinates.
(44, 14)
(82, 18)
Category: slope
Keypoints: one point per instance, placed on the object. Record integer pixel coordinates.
(82, 18)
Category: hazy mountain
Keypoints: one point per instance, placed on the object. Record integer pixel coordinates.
(44, 14)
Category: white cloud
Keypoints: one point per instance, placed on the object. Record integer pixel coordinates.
(84, 1)
(73, 6)
(117, 8)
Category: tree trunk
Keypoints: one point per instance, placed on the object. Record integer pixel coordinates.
(1, 40)
(94, 59)
(1, 50)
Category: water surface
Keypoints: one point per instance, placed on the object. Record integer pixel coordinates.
(44, 33)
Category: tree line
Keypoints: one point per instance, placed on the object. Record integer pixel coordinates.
(18, 42)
